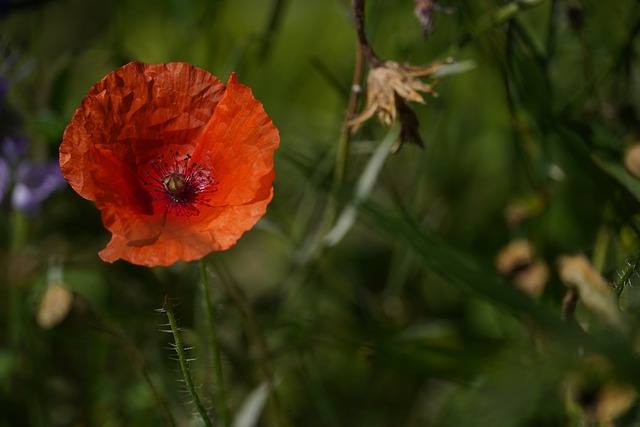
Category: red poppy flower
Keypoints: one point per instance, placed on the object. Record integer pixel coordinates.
(178, 165)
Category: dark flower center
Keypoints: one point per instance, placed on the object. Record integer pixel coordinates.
(174, 183)
(181, 183)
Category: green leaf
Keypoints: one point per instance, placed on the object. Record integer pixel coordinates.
(446, 70)
(460, 270)
(620, 174)
(249, 414)
(363, 189)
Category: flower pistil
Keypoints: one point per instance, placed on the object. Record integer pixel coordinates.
(181, 183)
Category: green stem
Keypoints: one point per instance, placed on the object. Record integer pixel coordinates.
(220, 396)
(257, 337)
(15, 311)
(183, 364)
(314, 251)
(600, 248)
(277, 13)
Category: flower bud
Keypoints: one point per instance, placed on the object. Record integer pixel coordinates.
(55, 305)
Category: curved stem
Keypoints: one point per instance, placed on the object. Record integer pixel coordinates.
(345, 137)
(220, 395)
(315, 247)
(183, 363)
(358, 17)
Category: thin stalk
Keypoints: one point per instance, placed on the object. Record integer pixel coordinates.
(257, 337)
(363, 42)
(315, 248)
(15, 309)
(220, 395)
(277, 12)
(345, 137)
(363, 51)
(601, 248)
(137, 360)
(183, 364)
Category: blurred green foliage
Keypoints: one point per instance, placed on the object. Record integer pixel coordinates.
(406, 321)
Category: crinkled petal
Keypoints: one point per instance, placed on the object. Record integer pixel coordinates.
(237, 146)
(133, 111)
(141, 112)
(222, 233)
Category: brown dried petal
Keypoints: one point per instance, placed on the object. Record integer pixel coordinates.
(614, 400)
(405, 89)
(516, 261)
(576, 270)
(632, 161)
(388, 82)
(591, 388)
(515, 255)
(409, 126)
(533, 279)
(577, 273)
(414, 71)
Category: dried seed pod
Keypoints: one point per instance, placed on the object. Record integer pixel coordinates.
(527, 273)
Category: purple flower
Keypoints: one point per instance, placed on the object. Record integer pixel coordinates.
(26, 183)
(34, 183)
(424, 12)
(13, 148)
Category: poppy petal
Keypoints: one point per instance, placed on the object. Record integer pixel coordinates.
(239, 142)
(133, 109)
(221, 234)
(238, 145)
(178, 165)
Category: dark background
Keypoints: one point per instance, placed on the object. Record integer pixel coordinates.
(406, 321)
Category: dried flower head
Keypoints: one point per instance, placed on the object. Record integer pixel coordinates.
(389, 83)
(518, 262)
(390, 87)
(178, 164)
(591, 388)
(579, 275)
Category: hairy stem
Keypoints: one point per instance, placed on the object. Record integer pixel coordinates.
(183, 363)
